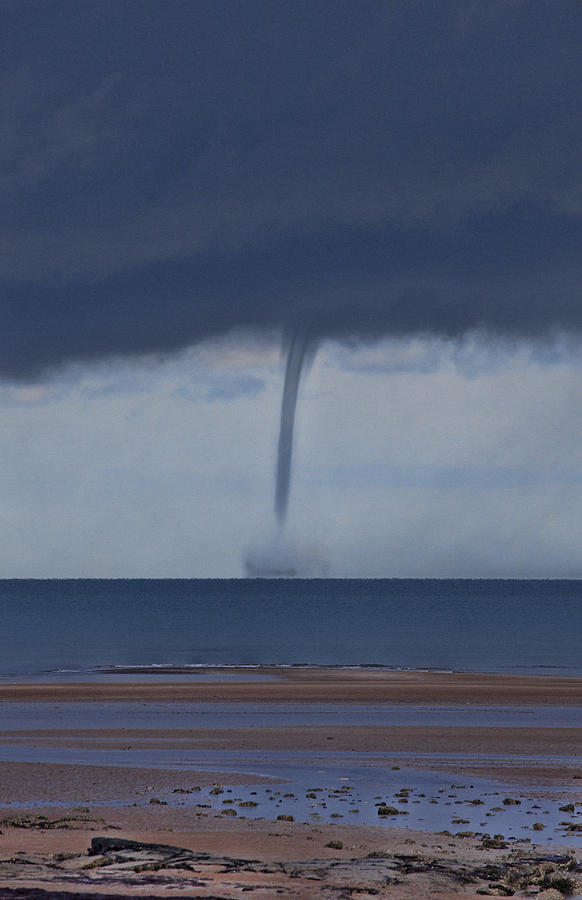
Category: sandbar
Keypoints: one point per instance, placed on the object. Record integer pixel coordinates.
(318, 685)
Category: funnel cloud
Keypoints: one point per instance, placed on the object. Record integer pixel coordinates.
(296, 353)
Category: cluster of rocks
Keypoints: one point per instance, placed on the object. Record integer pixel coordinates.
(43, 823)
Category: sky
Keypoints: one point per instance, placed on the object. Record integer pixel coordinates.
(187, 184)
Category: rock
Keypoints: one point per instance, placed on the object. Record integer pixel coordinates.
(493, 843)
(558, 881)
(500, 890)
(100, 845)
(43, 823)
(335, 845)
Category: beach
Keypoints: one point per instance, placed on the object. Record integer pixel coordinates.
(409, 808)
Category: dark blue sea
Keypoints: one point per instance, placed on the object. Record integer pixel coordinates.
(464, 625)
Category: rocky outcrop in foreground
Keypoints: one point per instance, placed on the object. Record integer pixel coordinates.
(125, 868)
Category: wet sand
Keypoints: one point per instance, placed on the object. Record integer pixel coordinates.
(392, 739)
(291, 859)
(320, 686)
(553, 754)
(38, 784)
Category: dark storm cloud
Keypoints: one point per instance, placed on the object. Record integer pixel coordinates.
(175, 170)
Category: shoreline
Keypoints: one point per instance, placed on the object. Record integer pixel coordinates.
(292, 777)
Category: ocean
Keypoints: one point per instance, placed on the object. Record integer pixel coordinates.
(84, 626)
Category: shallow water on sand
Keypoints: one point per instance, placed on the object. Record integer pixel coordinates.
(343, 788)
(119, 714)
(353, 793)
(347, 787)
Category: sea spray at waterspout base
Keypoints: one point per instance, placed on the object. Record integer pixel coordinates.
(285, 555)
(296, 355)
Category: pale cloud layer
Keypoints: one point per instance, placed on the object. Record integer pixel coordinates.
(167, 469)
